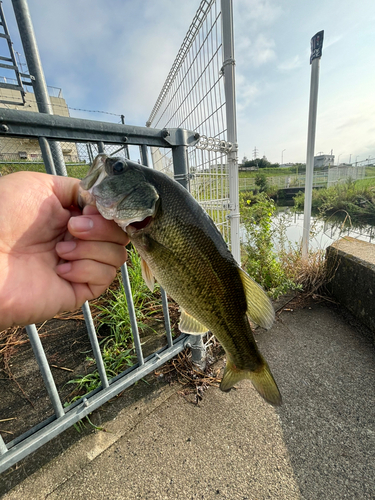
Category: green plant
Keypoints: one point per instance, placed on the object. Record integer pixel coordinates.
(261, 181)
(354, 198)
(261, 261)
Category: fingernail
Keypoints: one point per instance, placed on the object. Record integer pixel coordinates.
(64, 268)
(66, 246)
(81, 223)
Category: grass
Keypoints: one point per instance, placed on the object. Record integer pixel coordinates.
(73, 169)
(117, 347)
(356, 199)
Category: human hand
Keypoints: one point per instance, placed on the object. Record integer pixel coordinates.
(53, 256)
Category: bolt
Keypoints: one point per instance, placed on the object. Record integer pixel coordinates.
(196, 136)
(125, 139)
(4, 128)
(165, 133)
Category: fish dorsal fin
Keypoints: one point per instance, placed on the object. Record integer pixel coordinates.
(259, 306)
(188, 324)
(147, 275)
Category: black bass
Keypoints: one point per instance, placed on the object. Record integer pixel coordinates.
(183, 250)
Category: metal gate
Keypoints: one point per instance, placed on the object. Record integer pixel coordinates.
(19, 125)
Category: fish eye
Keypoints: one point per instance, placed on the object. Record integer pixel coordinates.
(118, 167)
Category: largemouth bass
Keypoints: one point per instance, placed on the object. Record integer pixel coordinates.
(183, 250)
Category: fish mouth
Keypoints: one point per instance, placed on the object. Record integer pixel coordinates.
(94, 177)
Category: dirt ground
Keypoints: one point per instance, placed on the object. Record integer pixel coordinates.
(24, 401)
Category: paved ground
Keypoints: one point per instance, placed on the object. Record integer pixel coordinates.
(319, 445)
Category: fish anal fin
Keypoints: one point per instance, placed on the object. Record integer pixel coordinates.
(262, 380)
(188, 324)
(259, 306)
(147, 275)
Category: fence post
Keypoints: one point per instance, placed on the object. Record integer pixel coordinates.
(41, 358)
(230, 106)
(3, 446)
(34, 64)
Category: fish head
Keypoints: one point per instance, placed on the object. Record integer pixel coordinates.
(119, 189)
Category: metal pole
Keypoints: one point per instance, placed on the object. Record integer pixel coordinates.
(132, 316)
(144, 156)
(41, 359)
(95, 344)
(180, 160)
(3, 446)
(47, 156)
(316, 53)
(167, 321)
(26, 30)
(230, 106)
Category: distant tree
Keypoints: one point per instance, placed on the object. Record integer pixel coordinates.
(275, 165)
(258, 162)
(261, 181)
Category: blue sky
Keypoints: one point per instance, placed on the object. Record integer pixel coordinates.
(114, 56)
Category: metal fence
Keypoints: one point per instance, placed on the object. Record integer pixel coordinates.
(198, 94)
(85, 139)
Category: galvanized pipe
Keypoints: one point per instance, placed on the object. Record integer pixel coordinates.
(230, 107)
(3, 446)
(47, 156)
(167, 321)
(35, 441)
(144, 156)
(27, 123)
(95, 344)
(131, 310)
(34, 64)
(41, 359)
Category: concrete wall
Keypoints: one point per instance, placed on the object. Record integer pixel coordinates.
(352, 263)
(15, 149)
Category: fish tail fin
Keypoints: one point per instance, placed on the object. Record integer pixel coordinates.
(262, 380)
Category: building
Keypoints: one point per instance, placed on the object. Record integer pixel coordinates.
(16, 149)
(321, 161)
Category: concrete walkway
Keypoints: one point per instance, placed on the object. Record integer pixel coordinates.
(319, 445)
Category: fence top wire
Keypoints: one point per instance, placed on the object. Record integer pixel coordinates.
(195, 26)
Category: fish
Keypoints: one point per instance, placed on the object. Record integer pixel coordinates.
(182, 249)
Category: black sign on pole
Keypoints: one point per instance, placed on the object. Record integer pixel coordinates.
(317, 46)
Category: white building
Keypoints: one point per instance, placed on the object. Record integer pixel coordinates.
(324, 161)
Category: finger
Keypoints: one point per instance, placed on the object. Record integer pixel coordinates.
(66, 189)
(95, 227)
(101, 251)
(90, 210)
(87, 271)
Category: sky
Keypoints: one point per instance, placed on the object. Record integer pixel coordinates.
(114, 56)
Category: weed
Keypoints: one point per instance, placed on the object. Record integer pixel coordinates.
(261, 261)
(355, 198)
(117, 347)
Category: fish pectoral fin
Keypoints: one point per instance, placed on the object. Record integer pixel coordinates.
(188, 324)
(259, 306)
(261, 379)
(147, 275)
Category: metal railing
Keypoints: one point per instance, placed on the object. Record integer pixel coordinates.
(87, 138)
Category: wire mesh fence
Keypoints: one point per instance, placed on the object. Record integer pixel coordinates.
(193, 97)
